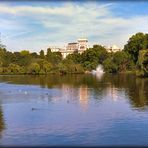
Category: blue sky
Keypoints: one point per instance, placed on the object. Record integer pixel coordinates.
(37, 25)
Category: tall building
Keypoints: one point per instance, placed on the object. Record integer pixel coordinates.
(72, 46)
(82, 45)
(79, 46)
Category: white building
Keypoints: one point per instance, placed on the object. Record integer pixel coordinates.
(113, 48)
(80, 46)
(55, 49)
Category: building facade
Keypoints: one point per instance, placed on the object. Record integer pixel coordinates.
(72, 46)
(113, 48)
(80, 46)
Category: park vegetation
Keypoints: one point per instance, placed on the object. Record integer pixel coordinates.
(133, 58)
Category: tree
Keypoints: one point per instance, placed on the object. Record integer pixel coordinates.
(25, 58)
(34, 68)
(143, 63)
(93, 56)
(75, 57)
(24, 52)
(53, 57)
(34, 55)
(136, 43)
(15, 69)
(62, 68)
(121, 59)
(45, 66)
(48, 52)
(42, 56)
(109, 66)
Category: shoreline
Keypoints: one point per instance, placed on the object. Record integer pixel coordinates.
(86, 72)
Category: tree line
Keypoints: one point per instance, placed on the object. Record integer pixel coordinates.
(133, 58)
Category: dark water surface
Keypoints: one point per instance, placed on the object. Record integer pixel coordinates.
(73, 110)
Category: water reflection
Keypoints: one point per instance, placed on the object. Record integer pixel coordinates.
(73, 109)
(135, 88)
(138, 93)
(84, 96)
(2, 123)
(113, 92)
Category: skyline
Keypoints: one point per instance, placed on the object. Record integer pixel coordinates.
(37, 25)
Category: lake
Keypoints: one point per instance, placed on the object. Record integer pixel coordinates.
(73, 110)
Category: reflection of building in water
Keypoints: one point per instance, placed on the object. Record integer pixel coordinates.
(83, 96)
(69, 93)
(112, 91)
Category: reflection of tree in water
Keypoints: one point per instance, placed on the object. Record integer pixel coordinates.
(134, 87)
(2, 123)
(139, 93)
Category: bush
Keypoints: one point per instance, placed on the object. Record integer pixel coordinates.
(34, 68)
(143, 63)
(110, 66)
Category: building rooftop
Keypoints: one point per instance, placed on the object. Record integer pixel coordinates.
(72, 43)
(115, 47)
(82, 39)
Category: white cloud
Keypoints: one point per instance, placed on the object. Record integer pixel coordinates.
(23, 10)
(70, 21)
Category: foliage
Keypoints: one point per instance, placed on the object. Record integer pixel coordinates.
(34, 68)
(68, 66)
(133, 57)
(45, 66)
(14, 68)
(42, 56)
(122, 60)
(53, 57)
(143, 63)
(90, 58)
(110, 66)
(136, 43)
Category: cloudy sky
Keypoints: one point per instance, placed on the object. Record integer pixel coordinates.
(37, 25)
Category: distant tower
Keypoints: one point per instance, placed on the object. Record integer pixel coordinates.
(82, 45)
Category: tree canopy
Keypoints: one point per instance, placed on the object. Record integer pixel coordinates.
(134, 57)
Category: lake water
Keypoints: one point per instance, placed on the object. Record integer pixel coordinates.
(75, 110)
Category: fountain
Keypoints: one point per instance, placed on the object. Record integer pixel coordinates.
(99, 70)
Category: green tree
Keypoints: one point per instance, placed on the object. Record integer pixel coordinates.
(45, 66)
(93, 56)
(25, 59)
(42, 55)
(143, 63)
(15, 69)
(75, 57)
(34, 68)
(62, 68)
(136, 43)
(34, 55)
(122, 60)
(109, 66)
(24, 52)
